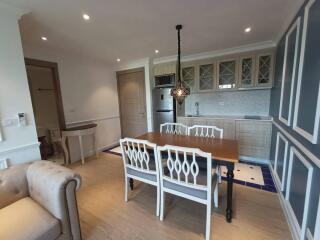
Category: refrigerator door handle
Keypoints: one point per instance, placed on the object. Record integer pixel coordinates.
(164, 110)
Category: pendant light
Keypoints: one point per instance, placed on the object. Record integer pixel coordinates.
(179, 92)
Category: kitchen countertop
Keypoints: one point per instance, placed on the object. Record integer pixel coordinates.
(233, 117)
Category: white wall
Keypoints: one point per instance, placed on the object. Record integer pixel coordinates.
(20, 144)
(89, 94)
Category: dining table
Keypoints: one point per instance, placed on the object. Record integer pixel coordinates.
(224, 151)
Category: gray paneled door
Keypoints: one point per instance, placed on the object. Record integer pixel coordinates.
(131, 90)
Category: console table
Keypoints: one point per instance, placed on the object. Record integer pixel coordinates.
(79, 131)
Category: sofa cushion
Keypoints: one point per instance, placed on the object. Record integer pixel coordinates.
(27, 220)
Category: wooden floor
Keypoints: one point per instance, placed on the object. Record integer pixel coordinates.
(105, 215)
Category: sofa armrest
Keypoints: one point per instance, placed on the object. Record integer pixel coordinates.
(54, 187)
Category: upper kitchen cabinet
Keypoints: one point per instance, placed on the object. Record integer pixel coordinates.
(264, 70)
(188, 77)
(227, 75)
(164, 69)
(249, 70)
(246, 71)
(206, 77)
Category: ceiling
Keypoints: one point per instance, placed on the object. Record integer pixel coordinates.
(133, 29)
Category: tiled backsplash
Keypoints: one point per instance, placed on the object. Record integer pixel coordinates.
(253, 102)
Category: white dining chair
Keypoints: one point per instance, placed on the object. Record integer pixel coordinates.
(174, 128)
(181, 176)
(140, 163)
(210, 132)
(205, 131)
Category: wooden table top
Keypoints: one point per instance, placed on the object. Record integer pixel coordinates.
(221, 149)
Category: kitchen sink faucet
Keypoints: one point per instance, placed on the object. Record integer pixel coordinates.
(197, 108)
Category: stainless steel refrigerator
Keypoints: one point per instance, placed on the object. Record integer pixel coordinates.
(163, 107)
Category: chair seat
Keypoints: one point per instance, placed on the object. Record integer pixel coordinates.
(201, 179)
(137, 173)
(25, 219)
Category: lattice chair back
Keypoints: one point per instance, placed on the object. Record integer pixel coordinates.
(174, 128)
(179, 165)
(139, 155)
(205, 131)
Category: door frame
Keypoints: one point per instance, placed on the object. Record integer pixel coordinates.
(54, 68)
(133, 70)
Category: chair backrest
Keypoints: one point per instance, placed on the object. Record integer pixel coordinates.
(183, 166)
(174, 128)
(139, 155)
(205, 131)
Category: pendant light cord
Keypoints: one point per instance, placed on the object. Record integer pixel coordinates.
(179, 27)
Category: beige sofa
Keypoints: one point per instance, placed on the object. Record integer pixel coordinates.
(38, 201)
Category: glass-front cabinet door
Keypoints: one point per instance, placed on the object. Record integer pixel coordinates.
(264, 70)
(188, 77)
(227, 74)
(206, 77)
(246, 72)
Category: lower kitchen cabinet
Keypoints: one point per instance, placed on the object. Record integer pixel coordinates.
(254, 136)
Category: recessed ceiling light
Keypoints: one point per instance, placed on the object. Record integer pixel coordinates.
(118, 60)
(156, 51)
(44, 38)
(247, 30)
(86, 17)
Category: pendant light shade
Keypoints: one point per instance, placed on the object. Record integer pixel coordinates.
(179, 92)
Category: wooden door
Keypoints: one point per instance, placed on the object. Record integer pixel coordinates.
(131, 87)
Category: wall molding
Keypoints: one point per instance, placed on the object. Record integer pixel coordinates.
(312, 137)
(309, 234)
(285, 208)
(299, 145)
(20, 148)
(281, 181)
(93, 120)
(302, 228)
(296, 25)
(317, 224)
(218, 53)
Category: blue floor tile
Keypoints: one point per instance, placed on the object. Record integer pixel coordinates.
(269, 188)
(267, 175)
(239, 182)
(253, 185)
(268, 181)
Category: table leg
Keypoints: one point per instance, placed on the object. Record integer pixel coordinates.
(95, 145)
(230, 167)
(65, 149)
(131, 183)
(81, 149)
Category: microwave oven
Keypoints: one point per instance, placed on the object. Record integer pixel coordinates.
(167, 80)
